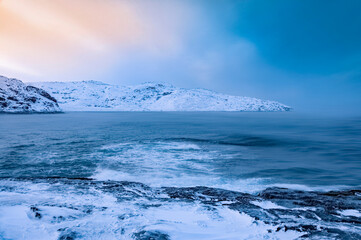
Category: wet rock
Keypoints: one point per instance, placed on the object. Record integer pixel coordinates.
(67, 235)
(36, 212)
(151, 235)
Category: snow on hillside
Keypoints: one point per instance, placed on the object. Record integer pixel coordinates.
(99, 96)
(16, 97)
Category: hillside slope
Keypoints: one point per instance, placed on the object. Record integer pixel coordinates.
(17, 97)
(98, 96)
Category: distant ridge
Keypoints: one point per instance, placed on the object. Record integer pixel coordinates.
(149, 96)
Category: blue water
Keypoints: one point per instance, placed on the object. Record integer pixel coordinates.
(64, 165)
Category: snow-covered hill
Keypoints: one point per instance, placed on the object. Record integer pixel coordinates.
(15, 97)
(98, 96)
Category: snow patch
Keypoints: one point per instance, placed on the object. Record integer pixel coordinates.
(98, 96)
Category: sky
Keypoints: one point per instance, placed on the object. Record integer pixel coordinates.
(304, 53)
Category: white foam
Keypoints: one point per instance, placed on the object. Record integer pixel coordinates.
(159, 164)
(308, 188)
(16, 224)
(178, 164)
(350, 212)
(189, 221)
(267, 205)
(164, 179)
(109, 218)
(180, 146)
(250, 185)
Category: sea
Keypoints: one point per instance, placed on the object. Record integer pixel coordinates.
(179, 175)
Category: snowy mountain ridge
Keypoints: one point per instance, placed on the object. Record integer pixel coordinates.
(17, 97)
(98, 96)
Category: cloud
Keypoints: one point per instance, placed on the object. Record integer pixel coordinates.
(228, 62)
(39, 14)
(80, 39)
(9, 67)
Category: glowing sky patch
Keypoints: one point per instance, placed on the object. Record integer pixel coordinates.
(54, 37)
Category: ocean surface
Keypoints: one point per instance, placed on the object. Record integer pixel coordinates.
(208, 175)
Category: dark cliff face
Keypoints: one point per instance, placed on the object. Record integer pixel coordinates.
(41, 92)
(16, 97)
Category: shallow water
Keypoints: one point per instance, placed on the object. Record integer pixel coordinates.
(179, 176)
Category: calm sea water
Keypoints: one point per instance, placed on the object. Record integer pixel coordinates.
(179, 176)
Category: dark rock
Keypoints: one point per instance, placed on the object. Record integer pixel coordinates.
(31, 99)
(151, 235)
(41, 92)
(13, 98)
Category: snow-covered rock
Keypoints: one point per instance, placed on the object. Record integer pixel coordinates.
(17, 97)
(99, 96)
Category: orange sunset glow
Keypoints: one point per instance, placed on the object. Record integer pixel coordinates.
(39, 37)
